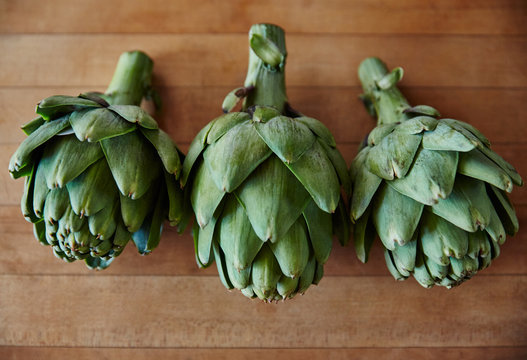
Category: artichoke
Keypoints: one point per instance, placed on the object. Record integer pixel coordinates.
(98, 170)
(265, 184)
(430, 188)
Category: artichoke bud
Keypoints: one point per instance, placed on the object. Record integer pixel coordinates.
(430, 188)
(99, 171)
(266, 186)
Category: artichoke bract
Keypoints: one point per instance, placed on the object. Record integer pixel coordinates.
(265, 184)
(430, 188)
(98, 170)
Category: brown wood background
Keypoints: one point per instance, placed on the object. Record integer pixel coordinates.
(467, 58)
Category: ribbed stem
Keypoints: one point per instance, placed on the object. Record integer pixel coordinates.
(267, 55)
(388, 103)
(131, 79)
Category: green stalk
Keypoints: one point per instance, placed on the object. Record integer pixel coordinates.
(388, 103)
(131, 79)
(266, 75)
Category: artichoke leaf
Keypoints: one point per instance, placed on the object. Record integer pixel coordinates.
(503, 207)
(248, 291)
(135, 115)
(237, 238)
(307, 277)
(286, 137)
(56, 204)
(395, 217)
(95, 125)
(445, 137)
(98, 263)
(421, 273)
(196, 147)
(478, 166)
(166, 149)
(319, 225)
(234, 156)
(92, 190)
(364, 235)
(26, 203)
(121, 236)
(508, 168)
(341, 223)
(222, 266)
(177, 204)
(40, 192)
(379, 132)
(286, 286)
(65, 158)
(339, 164)
(273, 199)
(147, 237)
(394, 155)
(22, 155)
(317, 174)
(418, 124)
(206, 236)
(404, 256)
(292, 250)
(30, 127)
(240, 278)
(319, 129)
(133, 162)
(59, 105)
(319, 273)
(134, 211)
(205, 195)
(366, 185)
(478, 245)
(441, 239)
(103, 223)
(39, 230)
(265, 273)
(72, 222)
(423, 110)
(467, 207)
(495, 228)
(195, 237)
(392, 268)
(436, 271)
(224, 123)
(469, 131)
(430, 178)
(264, 113)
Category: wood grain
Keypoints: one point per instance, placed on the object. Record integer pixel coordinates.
(465, 58)
(221, 59)
(21, 254)
(64, 353)
(298, 16)
(143, 311)
(187, 109)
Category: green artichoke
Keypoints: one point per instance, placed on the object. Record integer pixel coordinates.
(266, 184)
(98, 170)
(430, 188)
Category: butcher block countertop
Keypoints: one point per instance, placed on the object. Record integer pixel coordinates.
(466, 58)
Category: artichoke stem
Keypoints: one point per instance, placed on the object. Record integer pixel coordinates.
(267, 79)
(131, 79)
(389, 104)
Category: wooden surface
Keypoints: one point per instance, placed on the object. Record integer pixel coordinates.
(467, 58)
